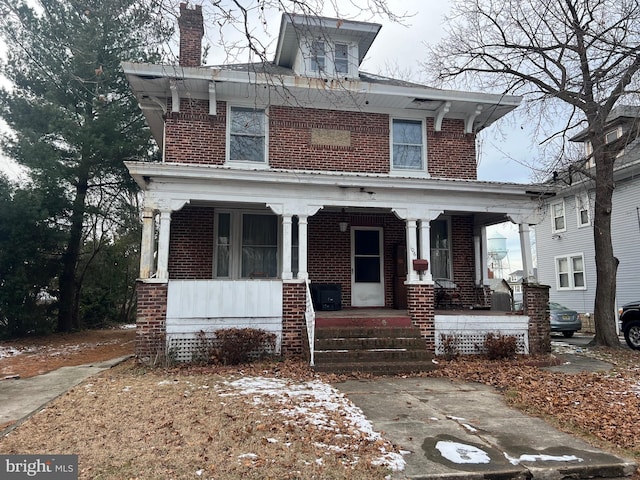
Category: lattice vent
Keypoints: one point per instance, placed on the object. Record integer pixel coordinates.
(471, 342)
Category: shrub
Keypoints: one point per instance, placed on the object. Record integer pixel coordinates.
(232, 346)
(449, 346)
(498, 346)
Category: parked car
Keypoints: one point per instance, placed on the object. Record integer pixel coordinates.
(630, 324)
(564, 319)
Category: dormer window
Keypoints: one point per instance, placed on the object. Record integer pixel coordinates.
(325, 57)
(341, 60)
(318, 55)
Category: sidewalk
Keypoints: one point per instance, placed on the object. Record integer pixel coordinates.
(459, 430)
(19, 399)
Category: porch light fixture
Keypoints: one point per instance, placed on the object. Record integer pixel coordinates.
(343, 226)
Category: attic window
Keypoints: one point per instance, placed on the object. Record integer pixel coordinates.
(341, 60)
(317, 56)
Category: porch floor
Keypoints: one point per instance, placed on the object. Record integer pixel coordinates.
(357, 312)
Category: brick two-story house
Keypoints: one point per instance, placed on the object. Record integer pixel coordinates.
(274, 175)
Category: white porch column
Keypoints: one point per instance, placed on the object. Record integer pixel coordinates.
(147, 243)
(525, 248)
(412, 250)
(163, 244)
(286, 247)
(477, 255)
(484, 262)
(303, 273)
(425, 247)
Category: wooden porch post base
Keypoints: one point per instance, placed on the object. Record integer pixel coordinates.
(151, 322)
(536, 307)
(420, 303)
(293, 323)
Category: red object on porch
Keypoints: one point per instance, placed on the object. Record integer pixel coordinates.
(420, 264)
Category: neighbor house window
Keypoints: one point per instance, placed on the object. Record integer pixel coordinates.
(570, 272)
(247, 135)
(557, 217)
(440, 249)
(318, 56)
(582, 209)
(341, 58)
(407, 144)
(246, 245)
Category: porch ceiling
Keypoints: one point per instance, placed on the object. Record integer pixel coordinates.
(168, 184)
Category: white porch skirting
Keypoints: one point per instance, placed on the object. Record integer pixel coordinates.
(208, 305)
(469, 331)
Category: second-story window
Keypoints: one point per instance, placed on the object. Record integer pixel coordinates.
(557, 217)
(407, 145)
(247, 135)
(318, 56)
(582, 208)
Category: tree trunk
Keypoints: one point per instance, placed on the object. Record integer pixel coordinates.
(68, 301)
(606, 263)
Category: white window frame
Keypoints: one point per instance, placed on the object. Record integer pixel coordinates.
(408, 171)
(248, 163)
(583, 204)
(329, 70)
(553, 216)
(314, 63)
(235, 242)
(570, 272)
(447, 222)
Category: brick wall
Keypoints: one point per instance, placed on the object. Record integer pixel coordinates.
(451, 153)
(420, 307)
(194, 136)
(536, 307)
(191, 243)
(293, 322)
(329, 259)
(462, 253)
(151, 321)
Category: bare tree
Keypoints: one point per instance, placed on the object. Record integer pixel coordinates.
(581, 56)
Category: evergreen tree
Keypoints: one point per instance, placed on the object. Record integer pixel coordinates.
(73, 118)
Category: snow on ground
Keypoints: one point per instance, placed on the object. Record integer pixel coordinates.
(315, 402)
(9, 352)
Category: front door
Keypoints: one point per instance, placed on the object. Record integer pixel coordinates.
(367, 278)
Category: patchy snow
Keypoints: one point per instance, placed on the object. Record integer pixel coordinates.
(9, 352)
(542, 458)
(128, 326)
(461, 453)
(319, 404)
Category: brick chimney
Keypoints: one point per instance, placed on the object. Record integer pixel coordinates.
(191, 32)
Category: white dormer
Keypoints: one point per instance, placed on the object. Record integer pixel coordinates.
(323, 47)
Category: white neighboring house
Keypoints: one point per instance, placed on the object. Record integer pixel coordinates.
(565, 245)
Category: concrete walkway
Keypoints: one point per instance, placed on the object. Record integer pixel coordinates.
(459, 430)
(21, 398)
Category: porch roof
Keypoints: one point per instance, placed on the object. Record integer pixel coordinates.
(297, 191)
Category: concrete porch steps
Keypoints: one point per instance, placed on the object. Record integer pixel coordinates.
(379, 345)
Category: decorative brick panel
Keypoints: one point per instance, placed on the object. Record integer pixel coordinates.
(536, 307)
(293, 322)
(420, 307)
(191, 243)
(151, 321)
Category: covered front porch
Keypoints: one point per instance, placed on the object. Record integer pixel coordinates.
(246, 252)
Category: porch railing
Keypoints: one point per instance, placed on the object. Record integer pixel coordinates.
(310, 318)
